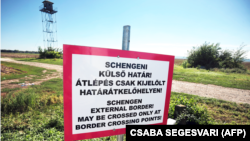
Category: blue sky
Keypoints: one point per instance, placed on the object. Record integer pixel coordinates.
(157, 26)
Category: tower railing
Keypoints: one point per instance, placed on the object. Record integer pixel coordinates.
(43, 9)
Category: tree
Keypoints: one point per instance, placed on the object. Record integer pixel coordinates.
(238, 56)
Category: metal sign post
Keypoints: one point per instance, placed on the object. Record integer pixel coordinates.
(125, 46)
(126, 37)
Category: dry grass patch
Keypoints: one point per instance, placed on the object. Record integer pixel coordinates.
(19, 55)
(247, 65)
(179, 61)
(5, 70)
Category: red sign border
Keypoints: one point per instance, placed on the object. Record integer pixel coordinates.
(68, 50)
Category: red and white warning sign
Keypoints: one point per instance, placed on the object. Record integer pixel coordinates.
(106, 89)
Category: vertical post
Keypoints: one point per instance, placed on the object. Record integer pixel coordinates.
(125, 46)
(120, 137)
(126, 37)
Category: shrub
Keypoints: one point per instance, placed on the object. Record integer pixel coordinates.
(225, 59)
(25, 101)
(211, 56)
(198, 67)
(185, 64)
(49, 52)
(18, 102)
(205, 55)
(55, 122)
(194, 112)
(190, 118)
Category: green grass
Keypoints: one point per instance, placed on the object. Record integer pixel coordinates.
(48, 61)
(25, 70)
(37, 115)
(232, 80)
(220, 112)
(35, 96)
(40, 117)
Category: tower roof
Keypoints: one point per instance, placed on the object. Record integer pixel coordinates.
(46, 1)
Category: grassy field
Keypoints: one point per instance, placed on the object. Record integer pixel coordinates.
(21, 71)
(232, 80)
(48, 61)
(179, 62)
(220, 112)
(19, 55)
(36, 113)
(60, 61)
(42, 117)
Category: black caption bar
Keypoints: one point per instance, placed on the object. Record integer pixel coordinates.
(135, 132)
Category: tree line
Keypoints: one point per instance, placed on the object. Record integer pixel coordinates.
(18, 51)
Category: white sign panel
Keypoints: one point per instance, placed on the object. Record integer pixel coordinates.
(110, 92)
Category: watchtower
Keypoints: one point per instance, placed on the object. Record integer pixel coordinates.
(49, 24)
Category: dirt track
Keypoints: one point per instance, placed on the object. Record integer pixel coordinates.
(212, 91)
